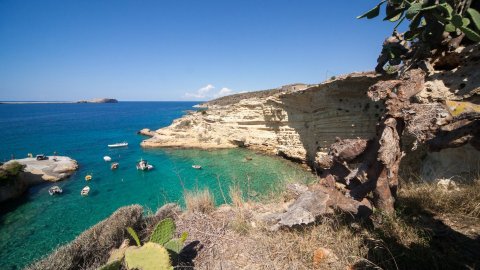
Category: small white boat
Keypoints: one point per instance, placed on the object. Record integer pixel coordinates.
(144, 166)
(198, 167)
(55, 190)
(122, 144)
(85, 191)
(107, 158)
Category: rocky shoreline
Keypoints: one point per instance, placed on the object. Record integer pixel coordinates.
(36, 172)
(300, 125)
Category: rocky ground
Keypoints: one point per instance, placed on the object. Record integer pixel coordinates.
(53, 169)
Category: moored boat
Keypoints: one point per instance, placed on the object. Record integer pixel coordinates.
(122, 144)
(85, 191)
(88, 177)
(198, 167)
(55, 190)
(107, 158)
(114, 166)
(144, 166)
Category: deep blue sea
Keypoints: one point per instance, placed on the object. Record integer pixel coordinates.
(37, 223)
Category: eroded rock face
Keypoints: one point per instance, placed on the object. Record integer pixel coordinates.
(300, 124)
(35, 172)
(292, 123)
(455, 77)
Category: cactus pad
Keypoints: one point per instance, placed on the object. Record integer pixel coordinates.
(150, 256)
(163, 231)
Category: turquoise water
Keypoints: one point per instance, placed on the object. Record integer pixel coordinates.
(34, 225)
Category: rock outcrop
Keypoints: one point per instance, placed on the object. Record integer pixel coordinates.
(36, 172)
(293, 123)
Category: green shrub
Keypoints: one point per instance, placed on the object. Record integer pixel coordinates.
(9, 172)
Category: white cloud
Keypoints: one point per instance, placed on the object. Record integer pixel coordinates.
(201, 93)
(223, 92)
(207, 93)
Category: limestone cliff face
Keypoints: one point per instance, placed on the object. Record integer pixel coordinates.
(301, 123)
(293, 123)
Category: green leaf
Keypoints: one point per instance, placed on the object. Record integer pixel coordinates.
(393, 13)
(372, 13)
(457, 20)
(134, 235)
(446, 9)
(465, 22)
(472, 35)
(163, 232)
(450, 28)
(475, 15)
(413, 10)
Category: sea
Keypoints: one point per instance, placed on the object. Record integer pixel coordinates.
(37, 223)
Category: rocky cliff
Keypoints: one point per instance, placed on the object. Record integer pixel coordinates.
(301, 124)
(293, 123)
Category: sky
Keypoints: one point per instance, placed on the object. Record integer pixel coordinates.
(158, 50)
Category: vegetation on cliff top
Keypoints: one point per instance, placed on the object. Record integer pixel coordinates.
(10, 171)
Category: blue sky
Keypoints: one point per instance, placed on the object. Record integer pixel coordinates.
(178, 50)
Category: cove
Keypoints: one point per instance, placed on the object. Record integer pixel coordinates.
(34, 225)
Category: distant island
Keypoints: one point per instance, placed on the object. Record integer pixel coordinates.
(96, 100)
(99, 100)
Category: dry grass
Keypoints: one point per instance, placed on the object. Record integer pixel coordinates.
(234, 237)
(199, 201)
(236, 196)
(465, 201)
(430, 222)
(225, 247)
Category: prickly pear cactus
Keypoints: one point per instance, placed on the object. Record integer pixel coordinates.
(150, 256)
(174, 245)
(134, 235)
(163, 231)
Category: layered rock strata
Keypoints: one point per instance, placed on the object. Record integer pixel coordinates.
(293, 123)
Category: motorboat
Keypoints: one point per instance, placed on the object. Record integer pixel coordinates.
(88, 177)
(144, 166)
(55, 190)
(85, 191)
(107, 158)
(114, 166)
(198, 167)
(122, 144)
